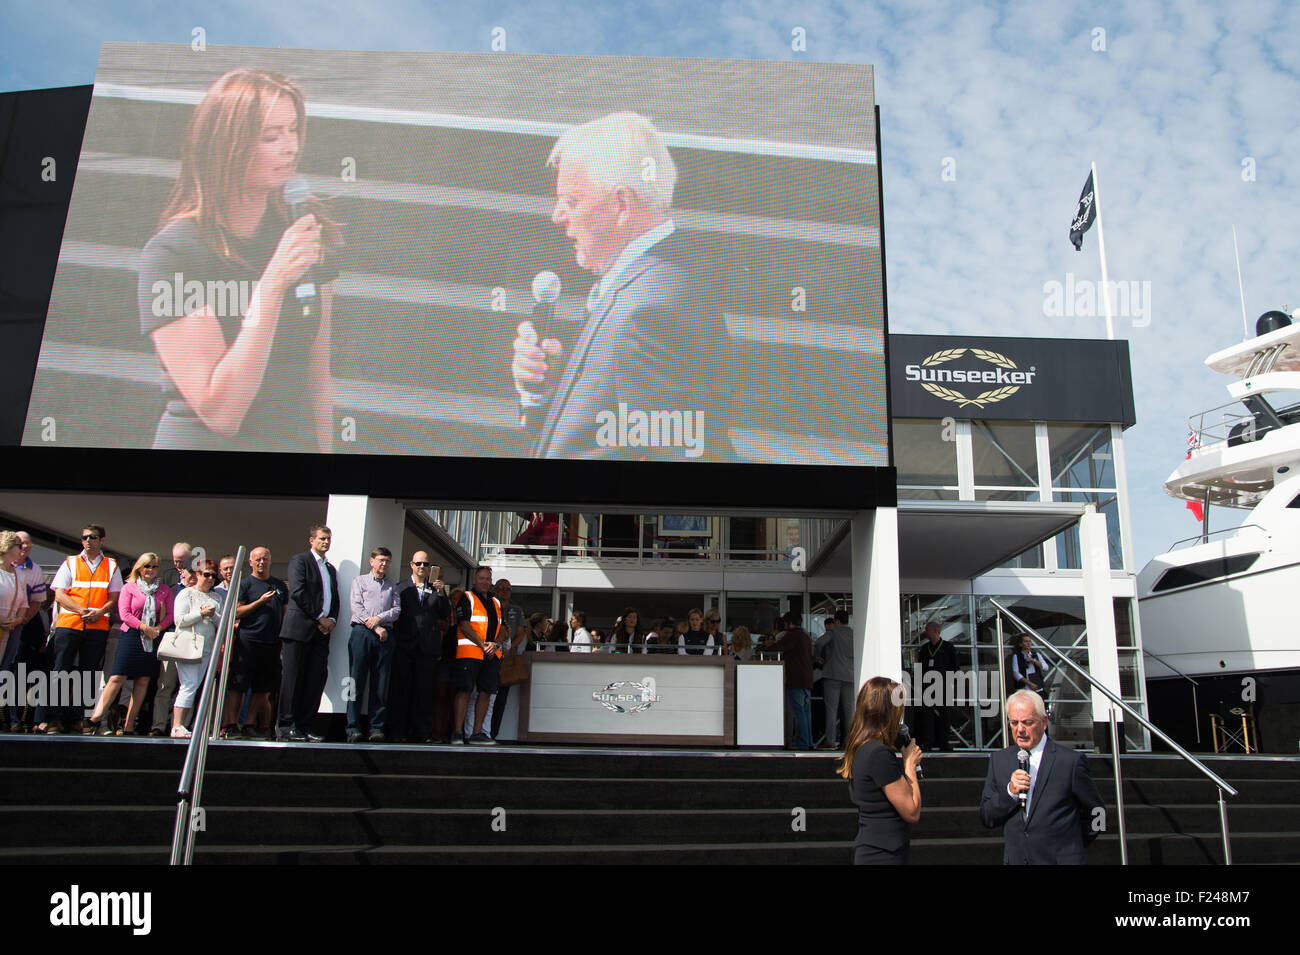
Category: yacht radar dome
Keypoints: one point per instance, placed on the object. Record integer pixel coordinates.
(1271, 321)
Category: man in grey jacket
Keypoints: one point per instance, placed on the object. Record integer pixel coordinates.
(834, 650)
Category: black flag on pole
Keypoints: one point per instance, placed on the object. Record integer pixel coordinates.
(1084, 216)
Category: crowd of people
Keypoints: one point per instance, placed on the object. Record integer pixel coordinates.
(424, 658)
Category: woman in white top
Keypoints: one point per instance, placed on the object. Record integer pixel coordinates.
(196, 610)
(13, 596)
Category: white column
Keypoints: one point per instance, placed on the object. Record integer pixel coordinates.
(358, 524)
(877, 631)
(1099, 614)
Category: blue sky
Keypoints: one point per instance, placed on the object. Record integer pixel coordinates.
(1190, 111)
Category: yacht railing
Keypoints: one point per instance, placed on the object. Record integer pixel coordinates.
(207, 719)
(1205, 539)
(1115, 747)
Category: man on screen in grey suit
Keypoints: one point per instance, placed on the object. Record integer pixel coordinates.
(646, 377)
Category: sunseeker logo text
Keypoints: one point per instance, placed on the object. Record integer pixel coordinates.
(628, 696)
(76, 908)
(1004, 374)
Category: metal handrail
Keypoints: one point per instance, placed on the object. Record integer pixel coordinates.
(190, 790)
(1205, 538)
(1222, 785)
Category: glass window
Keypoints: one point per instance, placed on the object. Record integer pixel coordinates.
(1031, 559)
(1005, 494)
(1067, 543)
(1124, 622)
(1204, 571)
(925, 452)
(1081, 455)
(927, 494)
(1005, 453)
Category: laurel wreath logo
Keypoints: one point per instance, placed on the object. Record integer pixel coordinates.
(952, 394)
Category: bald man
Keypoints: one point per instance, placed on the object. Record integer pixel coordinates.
(424, 610)
(256, 665)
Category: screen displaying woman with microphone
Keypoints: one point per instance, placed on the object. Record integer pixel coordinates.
(231, 290)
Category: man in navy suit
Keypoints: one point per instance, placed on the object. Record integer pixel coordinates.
(647, 378)
(425, 611)
(305, 634)
(1061, 814)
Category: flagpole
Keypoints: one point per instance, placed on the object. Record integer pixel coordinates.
(1101, 248)
(1241, 289)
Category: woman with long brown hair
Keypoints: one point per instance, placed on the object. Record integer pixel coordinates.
(888, 797)
(628, 637)
(225, 285)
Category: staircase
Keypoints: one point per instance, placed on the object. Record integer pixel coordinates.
(80, 801)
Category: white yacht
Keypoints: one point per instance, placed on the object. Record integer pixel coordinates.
(1219, 604)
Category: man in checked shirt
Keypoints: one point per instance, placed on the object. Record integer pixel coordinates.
(370, 647)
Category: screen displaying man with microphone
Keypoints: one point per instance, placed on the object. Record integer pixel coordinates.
(640, 381)
(504, 256)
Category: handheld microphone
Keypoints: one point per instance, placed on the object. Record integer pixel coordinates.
(546, 292)
(297, 196)
(1022, 758)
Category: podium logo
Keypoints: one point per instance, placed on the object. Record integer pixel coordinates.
(76, 908)
(628, 696)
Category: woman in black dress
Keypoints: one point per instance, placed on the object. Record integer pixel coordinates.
(246, 366)
(887, 795)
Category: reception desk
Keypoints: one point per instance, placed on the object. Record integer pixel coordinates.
(654, 699)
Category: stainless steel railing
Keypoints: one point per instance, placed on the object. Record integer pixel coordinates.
(207, 718)
(1116, 701)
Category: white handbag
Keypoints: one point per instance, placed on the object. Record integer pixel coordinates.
(181, 646)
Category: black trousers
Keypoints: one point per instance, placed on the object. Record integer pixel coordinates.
(74, 650)
(410, 693)
(931, 727)
(306, 668)
(499, 709)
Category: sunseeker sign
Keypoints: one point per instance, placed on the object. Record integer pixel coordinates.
(1005, 378)
(1018, 379)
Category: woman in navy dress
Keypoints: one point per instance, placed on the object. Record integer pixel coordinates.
(886, 793)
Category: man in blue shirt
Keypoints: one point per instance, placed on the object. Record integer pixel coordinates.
(370, 648)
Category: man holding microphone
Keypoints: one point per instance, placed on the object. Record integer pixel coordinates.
(1041, 793)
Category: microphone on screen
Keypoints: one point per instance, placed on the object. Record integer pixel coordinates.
(546, 292)
(297, 197)
(1022, 758)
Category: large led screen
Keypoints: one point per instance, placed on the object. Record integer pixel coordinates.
(470, 255)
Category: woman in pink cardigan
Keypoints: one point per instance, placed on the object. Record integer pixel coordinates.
(145, 607)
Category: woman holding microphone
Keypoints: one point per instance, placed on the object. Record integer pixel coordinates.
(887, 795)
(226, 286)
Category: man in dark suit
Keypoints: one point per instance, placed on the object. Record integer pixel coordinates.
(939, 656)
(424, 606)
(647, 378)
(305, 634)
(1063, 810)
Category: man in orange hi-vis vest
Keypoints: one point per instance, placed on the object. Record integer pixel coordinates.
(478, 656)
(85, 591)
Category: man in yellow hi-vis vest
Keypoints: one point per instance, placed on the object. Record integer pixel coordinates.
(85, 590)
(478, 656)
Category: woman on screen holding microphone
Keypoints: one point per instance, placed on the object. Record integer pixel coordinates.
(887, 795)
(231, 291)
